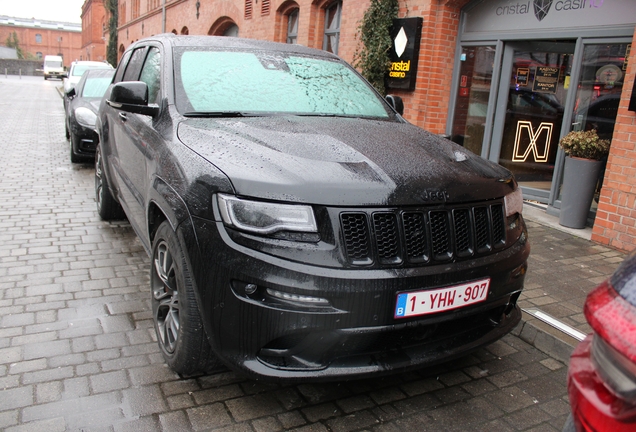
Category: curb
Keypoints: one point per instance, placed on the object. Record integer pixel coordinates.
(545, 338)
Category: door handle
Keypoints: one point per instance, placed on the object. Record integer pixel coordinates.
(123, 116)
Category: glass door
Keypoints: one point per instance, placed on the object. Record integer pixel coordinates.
(473, 95)
(598, 92)
(530, 110)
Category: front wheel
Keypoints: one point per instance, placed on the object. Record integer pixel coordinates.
(178, 325)
(74, 140)
(107, 206)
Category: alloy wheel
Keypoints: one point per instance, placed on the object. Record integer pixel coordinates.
(166, 297)
(99, 184)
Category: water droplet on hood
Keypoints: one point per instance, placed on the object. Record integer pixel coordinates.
(460, 156)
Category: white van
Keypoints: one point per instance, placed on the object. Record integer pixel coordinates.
(53, 67)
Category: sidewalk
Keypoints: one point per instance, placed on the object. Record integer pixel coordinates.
(564, 266)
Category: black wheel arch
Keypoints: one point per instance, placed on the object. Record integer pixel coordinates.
(164, 203)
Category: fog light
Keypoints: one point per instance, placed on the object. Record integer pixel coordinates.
(296, 298)
(250, 288)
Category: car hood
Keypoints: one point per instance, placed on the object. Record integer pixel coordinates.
(342, 161)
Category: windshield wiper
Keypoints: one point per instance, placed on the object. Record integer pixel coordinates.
(320, 115)
(215, 114)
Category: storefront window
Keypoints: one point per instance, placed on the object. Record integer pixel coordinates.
(599, 91)
(538, 87)
(600, 88)
(471, 105)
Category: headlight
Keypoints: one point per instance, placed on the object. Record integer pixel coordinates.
(85, 117)
(265, 217)
(514, 202)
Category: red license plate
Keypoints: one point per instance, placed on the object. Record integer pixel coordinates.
(441, 299)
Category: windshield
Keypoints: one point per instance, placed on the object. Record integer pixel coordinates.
(270, 82)
(53, 63)
(79, 70)
(96, 87)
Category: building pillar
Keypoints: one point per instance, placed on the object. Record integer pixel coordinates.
(615, 223)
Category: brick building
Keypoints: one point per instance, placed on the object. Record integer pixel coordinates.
(504, 78)
(40, 37)
(94, 31)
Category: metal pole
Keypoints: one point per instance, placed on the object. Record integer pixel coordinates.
(5, 72)
(163, 16)
(20, 73)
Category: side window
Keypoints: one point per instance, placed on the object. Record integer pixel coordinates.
(151, 73)
(134, 65)
(122, 66)
(332, 27)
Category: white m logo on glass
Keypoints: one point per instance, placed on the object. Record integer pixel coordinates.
(538, 144)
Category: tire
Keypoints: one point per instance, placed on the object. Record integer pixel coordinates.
(569, 424)
(45, 78)
(107, 206)
(178, 325)
(75, 158)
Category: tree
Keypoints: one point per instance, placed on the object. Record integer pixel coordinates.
(13, 42)
(111, 49)
(373, 57)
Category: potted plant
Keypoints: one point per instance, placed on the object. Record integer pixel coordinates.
(585, 154)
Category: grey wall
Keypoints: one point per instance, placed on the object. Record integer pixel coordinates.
(28, 67)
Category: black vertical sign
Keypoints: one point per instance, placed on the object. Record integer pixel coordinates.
(632, 99)
(405, 51)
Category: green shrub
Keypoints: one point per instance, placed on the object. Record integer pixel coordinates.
(372, 57)
(585, 144)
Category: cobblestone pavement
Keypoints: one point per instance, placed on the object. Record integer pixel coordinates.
(78, 351)
(562, 270)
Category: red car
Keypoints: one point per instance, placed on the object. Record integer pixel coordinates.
(602, 374)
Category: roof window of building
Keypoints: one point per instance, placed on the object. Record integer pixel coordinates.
(332, 27)
(292, 27)
(121, 16)
(135, 6)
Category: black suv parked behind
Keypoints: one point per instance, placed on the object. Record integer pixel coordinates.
(298, 227)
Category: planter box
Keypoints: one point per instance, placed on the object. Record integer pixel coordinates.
(580, 177)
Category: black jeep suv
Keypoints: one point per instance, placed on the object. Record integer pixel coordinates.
(298, 226)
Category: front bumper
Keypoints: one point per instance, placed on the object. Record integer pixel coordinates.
(87, 139)
(355, 333)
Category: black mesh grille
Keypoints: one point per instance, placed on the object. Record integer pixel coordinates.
(356, 234)
(422, 236)
(386, 237)
(498, 226)
(440, 235)
(482, 232)
(415, 237)
(463, 234)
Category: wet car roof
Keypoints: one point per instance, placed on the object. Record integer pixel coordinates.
(229, 43)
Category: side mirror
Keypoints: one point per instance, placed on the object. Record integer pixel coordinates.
(132, 96)
(71, 93)
(396, 103)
